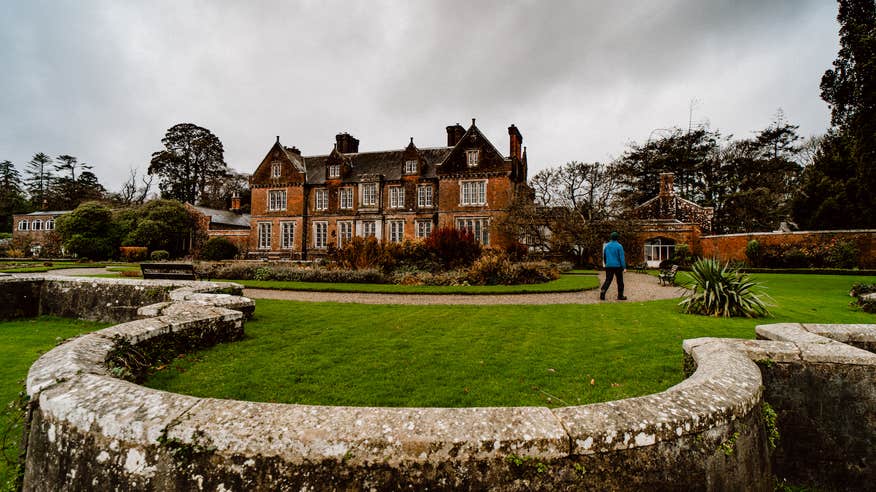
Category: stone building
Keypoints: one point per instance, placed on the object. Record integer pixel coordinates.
(36, 229)
(230, 224)
(302, 205)
(667, 220)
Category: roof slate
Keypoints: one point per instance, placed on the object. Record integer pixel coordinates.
(388, 163)
(225, 217)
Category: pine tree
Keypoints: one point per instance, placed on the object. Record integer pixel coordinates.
(39, 178)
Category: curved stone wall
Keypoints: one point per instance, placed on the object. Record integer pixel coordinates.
(91, 430)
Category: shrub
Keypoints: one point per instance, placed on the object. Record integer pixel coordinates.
(130, 273)
(717, 290)
(534, 272)
(217, 249)
(859, 289)
(273, 271)
(15, 253)
(491, 268)
(96, 248)
(753, 253)
(159, 255)
(453, 248)
(134, 253)
(682, 256)
(842, 254)
(359, 253)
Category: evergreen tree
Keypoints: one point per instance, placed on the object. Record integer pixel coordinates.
(39, 178)
(68, 190)
(838, 187)
(192, 157)
(12, 199)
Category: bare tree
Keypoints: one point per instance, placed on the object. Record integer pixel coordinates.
(135, 189)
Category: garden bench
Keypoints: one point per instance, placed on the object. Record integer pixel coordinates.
(667, 277)
(168, 271)
(640, 267)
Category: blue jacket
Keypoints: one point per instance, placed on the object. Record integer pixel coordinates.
(613, 255)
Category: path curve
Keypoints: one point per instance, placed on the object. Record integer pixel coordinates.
(638, 287)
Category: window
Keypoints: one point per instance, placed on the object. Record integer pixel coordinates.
(410, 167)
(346, 198)
(50, 224)
(396, 197)
(369, 194)
(320, 234)
(396, 231)
(264, 235)
(277, 200)
(36, 225)
(424, 228)
(335, 171)
(473, 193)
(22, 225)
(345, 233)
(659, 249)
(472, 157)
(321, 199)
(479, 227)
(287, 234)
(369, 228)
(424, 196)
(275, 169)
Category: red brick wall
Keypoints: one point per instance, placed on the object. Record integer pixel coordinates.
(732, 247)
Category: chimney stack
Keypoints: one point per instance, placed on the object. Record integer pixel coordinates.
(516, 142)
(235, 202)
(347, 144)
(666, 180)
(295, 151)
(454, 134)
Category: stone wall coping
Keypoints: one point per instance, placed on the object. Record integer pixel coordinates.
(791, 233)
(821, 343)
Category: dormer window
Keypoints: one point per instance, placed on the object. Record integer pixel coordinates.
(275, 170)
(411, 166)
(335, 171)
(472, 157)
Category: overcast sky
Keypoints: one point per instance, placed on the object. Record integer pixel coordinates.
(104, 80)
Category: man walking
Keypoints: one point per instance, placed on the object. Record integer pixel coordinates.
(615, 266)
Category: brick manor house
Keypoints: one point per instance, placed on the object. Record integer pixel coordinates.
(303, 204)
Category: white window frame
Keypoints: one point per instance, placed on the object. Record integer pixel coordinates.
(472, 157)
(334, 170)
(369, 228)
(396, 197)
(479, 227)
(345, 198)
(36, 225)
(276, 170)
(49, 225)
(411, 166)
(320, 199)
(265, 232)
(345, 232)
(276, 200)
(368, 194)
(396, 231)
(424, 228)
(320, 235)
(473, 193)
(425, 196)
(287, 235)
(23, 225)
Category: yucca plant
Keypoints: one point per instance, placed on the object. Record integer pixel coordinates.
(722, 290)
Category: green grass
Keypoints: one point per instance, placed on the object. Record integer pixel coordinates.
(457, 356)
(566, 283)
(25, 266)
(21, 343)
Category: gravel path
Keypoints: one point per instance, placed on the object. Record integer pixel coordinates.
(638, 287)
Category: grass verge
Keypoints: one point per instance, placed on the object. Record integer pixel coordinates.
(458, 356)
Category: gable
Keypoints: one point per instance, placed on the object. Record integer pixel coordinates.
(489, 158)
(290, 164)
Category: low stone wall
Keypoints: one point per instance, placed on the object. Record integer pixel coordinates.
(91, 430)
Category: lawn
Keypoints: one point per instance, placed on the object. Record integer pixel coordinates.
(29, 266)
(21, 343)
(457, 356)
(566, 283)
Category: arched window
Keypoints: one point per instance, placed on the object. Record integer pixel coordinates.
(659, 249)
(36, 225)
(22, 225)
(50, 224)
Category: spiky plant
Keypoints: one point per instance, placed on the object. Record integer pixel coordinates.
(722, 290)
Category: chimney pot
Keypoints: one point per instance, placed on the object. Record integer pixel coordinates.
(454, 134)
(278, 139)
(666, 181)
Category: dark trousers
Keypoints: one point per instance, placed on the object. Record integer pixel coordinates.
(610, 273)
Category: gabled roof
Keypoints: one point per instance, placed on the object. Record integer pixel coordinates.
(473, 130)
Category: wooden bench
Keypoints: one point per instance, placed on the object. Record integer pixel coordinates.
(168, 271)
(667, 277)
